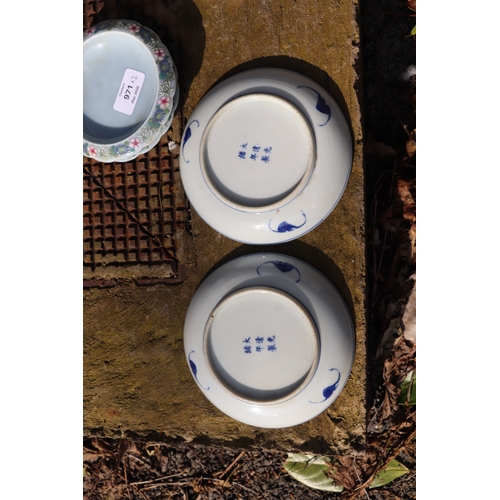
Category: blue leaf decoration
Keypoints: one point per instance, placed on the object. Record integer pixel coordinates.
(286, 227)
(321, 105)
(284, 267)
(195, 370)
(328, 391)
(187, 136)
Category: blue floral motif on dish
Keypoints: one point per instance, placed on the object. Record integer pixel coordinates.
(328, 391)
(284, 267)
(187, 136)
(321, 105)
(195, 370)
(286, 227)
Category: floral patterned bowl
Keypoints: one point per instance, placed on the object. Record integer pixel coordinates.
(129, 85)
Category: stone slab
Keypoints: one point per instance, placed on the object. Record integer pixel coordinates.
(136, 379)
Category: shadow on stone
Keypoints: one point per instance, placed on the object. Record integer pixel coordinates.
(299, 66)
(179, 25)
(316, 445)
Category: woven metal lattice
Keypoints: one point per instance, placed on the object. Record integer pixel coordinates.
(134, 213)
(130, 213)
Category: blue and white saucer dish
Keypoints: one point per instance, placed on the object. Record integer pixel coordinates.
(269, 340)
(266, 156)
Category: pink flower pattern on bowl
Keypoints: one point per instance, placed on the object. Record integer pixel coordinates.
(163, 102)
(160, 114)
(159, 54)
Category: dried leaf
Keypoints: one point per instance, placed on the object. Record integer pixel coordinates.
(410, 316)
(126, 446)
(393, 470)
(342, 471)
(103, 447)
(411, 144)
(409, 204)
(389, 402)
(310, 470)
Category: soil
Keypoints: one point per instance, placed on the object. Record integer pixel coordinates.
(134, 469)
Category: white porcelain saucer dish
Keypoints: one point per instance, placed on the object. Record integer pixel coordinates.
(269, 340)
(266, 156)
(129, 84)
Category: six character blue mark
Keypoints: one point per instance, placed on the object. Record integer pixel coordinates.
(195, 370)
(266, 158)
(271, 346)
(285, 227)
(187, 136)
(284, 267)
(328, 391)
(321, 105)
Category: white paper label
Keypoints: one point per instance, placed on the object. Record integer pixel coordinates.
(128, 93)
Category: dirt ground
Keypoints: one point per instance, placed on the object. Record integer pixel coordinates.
(134, 469)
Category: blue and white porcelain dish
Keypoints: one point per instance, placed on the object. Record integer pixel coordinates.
(265, 156)
(269, 340)
(129, 87)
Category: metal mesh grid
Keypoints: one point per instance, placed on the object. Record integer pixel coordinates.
(129, 210)
(133, 212)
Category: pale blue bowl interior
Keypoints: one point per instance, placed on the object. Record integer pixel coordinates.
(106, 56)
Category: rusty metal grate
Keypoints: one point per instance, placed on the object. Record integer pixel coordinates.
(134, 213)
(129, 213)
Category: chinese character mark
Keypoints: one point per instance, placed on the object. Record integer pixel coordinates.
(259, 348)
(253, 157)
(256, 148)
(242, 154)
(247, 349)
(259, 340)
(271, 339)
(271, 348)
(268, 150)
(247, 340)
(265, 158)
(244, 145)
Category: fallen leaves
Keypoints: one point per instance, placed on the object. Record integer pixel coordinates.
(392, 471)
(402, 358)
(310, 470)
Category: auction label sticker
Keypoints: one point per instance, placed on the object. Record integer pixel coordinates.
(129, 91)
